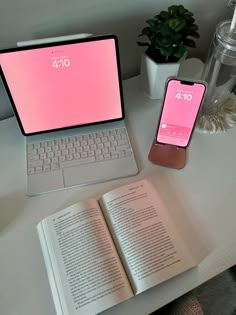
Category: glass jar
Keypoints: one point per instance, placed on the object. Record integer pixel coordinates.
(218, 112)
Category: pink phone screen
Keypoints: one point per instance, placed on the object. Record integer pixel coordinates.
(62, 86)
(180, 109)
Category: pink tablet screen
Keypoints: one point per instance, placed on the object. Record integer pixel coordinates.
(62, 86)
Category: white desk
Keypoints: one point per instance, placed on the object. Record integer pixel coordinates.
(204, 190)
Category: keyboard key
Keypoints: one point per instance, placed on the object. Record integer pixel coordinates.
(107, 156)
(62, 158)
(85, 137)
(122, 147)
(55, 148)
(33, 157)
(121, 154)
(31, 164)
(79, 138)
(77, 144)
(91, 153)
(38, 163)
(36, 145)
(62, 146)
(121, 130)
(79, 149)
(72, 139)
(69, 145)
(98, 152)
(35, 163)
(123, 141)
(54, 166)
(90, 141)
(42, 144)
(99, 157)
(84, 154)
(93, 135)
(55, 159)
(84, 142)
(64, 152)
(32, 151)
(98, 140)
(112, 150)
(93, 147)
(47, 161)
(107, 144)
(55, 142)
(31, 170)
(72, 150)
(50, 154)
(46, 168)
(105, 150)
(104, 139)
(42, 156)
(41, 150)
(114, 143)
(38, 169)
(86, 148)
(57, 153)
(114, 155)
(128, 153)
(76, 156)
(30, 146)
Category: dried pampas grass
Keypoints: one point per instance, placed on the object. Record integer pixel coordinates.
(215, 120)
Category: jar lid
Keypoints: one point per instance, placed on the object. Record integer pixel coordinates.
(226, 36)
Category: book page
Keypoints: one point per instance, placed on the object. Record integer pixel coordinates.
(88, 273)
(147, 240)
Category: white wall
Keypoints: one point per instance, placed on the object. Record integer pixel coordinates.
(31, 19)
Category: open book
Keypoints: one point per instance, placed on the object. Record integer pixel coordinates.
(99, 253)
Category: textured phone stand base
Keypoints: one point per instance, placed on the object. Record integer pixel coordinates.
(168, 155)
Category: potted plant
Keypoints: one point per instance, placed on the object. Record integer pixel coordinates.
(169, 34)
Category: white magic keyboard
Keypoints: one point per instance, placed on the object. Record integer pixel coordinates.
(75, 150)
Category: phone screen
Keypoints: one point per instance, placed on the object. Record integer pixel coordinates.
(181, 104)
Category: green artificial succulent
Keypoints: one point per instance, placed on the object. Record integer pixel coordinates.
(169, 34)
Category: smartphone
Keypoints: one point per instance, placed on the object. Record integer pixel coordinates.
(181, 104)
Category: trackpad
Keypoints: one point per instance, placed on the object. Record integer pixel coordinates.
(79, 175)
(97, 172)
(44, 182)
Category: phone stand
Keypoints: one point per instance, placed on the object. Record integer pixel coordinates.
(168, 155)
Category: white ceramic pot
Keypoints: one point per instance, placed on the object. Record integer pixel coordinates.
(154, 75)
